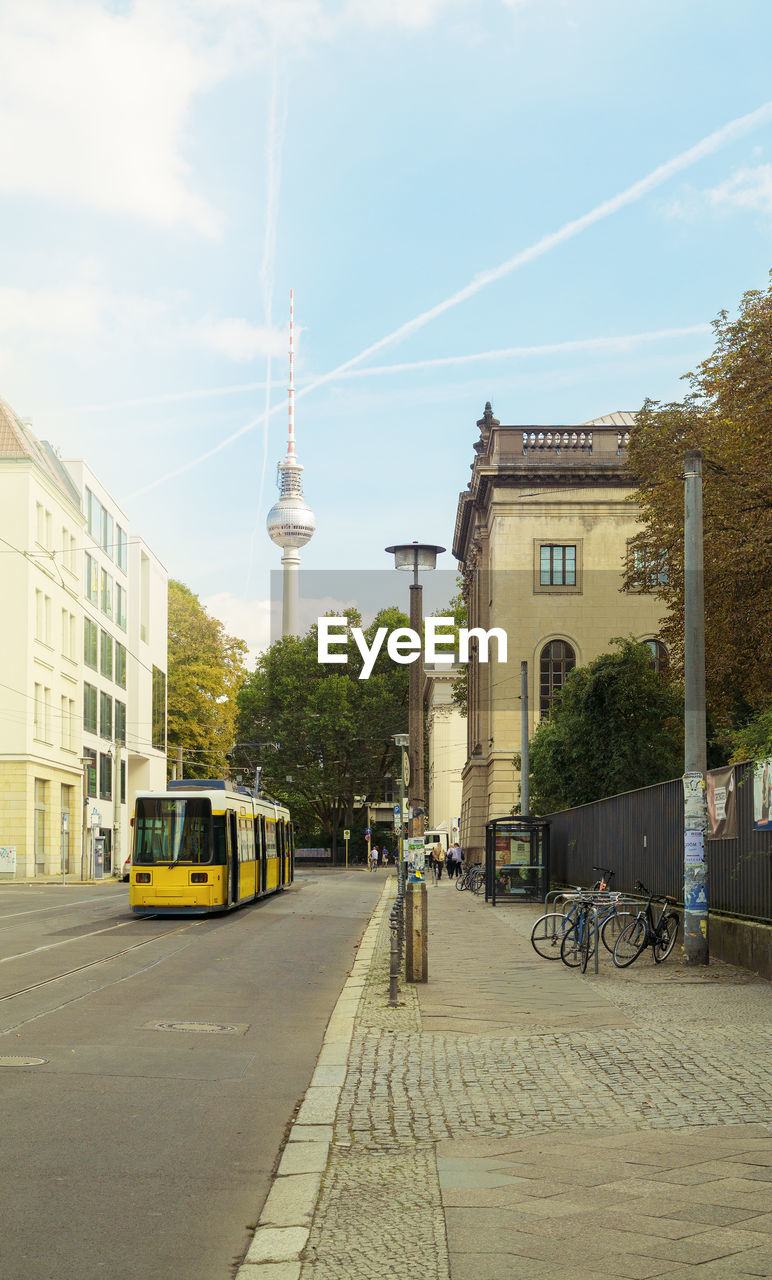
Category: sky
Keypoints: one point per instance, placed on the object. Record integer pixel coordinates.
(541, 203)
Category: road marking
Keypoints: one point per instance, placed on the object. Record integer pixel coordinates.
(39, 911)
(22, 955)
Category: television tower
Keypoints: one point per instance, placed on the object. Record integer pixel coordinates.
(291, 522)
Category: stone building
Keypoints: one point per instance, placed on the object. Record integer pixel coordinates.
(74, 708)
(542, 539)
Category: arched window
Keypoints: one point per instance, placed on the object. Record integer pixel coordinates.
(659, 655)
(557, 659)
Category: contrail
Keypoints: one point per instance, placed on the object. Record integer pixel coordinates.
(547, 348)
(707, 146)
(277, 120)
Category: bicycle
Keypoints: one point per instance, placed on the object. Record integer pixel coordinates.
(551, 929)
(644, 931)
(472, 877)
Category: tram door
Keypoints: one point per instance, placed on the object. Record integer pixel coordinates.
(233, 858)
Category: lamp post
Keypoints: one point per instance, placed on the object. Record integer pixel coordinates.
(413, 557)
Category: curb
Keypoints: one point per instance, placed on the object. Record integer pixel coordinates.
(284, 1225)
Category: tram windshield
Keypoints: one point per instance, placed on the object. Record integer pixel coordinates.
(173, 830)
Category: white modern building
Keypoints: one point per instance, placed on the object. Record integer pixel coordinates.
(78, 720)
(446, 741)
(124, 668)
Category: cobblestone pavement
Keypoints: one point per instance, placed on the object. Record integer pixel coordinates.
(497, 1095)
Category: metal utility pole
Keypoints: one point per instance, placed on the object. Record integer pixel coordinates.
(525, 796)
(415, 718)
(117, 807)
(696, 946)
(179, 763)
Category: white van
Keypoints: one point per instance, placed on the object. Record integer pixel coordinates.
(436, 837)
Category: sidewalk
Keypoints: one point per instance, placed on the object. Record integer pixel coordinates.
(515, 1119)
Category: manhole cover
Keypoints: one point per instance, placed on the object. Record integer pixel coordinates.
(19, 1061)
(211, 1028)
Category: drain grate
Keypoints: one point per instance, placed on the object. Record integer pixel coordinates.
(209, 1028)
(20, 1061)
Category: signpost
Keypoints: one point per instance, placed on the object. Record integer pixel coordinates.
(346, 837)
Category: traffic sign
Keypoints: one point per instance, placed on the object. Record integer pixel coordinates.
(347, 834)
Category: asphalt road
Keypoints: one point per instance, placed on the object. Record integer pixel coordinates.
(139, 1152)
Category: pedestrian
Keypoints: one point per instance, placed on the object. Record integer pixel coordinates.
(455, 858)
(385, 856)
(439, 858)
(374, 858)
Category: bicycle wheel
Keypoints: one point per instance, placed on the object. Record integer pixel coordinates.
(612, 927)
(571, 946)
(547, 935)
(667, 932)
(462, 882)
(478, 883)
(630, 942)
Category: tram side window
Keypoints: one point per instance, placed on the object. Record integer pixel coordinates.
(220, 845)
(270, 837)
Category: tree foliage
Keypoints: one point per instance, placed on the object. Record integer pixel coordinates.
(205, 671)
(617, 726)
(321, 735)
(728, 416)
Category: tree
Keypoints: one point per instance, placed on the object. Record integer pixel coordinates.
(205, 671)
(618, 725)
(728, 416)
(328, 733)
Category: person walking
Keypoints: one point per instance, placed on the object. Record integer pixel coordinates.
(385, 856)
(455, 858)
(439, 859)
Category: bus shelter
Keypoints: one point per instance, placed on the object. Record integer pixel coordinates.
(517, 860)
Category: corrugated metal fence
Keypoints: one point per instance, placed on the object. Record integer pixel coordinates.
(640, 835)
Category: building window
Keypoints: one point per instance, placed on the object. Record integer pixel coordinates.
(107, 533)
(647, 568)
(42, 712)
(106, 655)
(557, 565)
(121, 545)
(90, 761)
(105, 716)
(42, 617)
(120, 664)
(120, 606)
(122, 783)
(106, 600)
(105, 777)
(93, 515)
(159, 709)
(92, 579)
(90, 645)
(660, 660)
(68, 724)
(89, 708)
(120, 721)
(41, 796)
(68, 634)
(557, 659)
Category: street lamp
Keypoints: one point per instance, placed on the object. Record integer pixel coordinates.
(415, 556)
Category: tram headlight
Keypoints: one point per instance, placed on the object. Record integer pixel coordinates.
(199, 877)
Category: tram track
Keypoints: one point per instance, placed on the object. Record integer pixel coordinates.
(90, 964)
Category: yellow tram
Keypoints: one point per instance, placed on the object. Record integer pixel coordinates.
(203, 846)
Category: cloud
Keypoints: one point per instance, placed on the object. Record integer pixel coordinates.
(241, 341)
(94, 106)
(746, 189)
(412, 14)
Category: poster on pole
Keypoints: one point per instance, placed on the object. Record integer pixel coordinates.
(762, 795)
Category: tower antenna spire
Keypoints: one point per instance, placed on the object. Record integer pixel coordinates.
(291, 437)
(291, 522)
